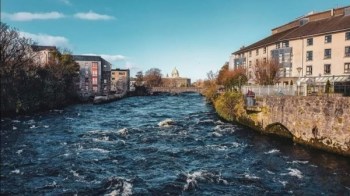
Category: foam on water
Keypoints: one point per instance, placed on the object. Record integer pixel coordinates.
(16, 171)
(273, 151)
(166, 123)
(14, 128)
(251, 176)
(122, 132)
(216, 134)
(295, 172)
(19, 151)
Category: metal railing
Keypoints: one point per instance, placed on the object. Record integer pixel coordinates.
(270, 90)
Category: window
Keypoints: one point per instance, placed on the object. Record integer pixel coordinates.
(309, 56)
(94, 81)
(256, 62)
(265, 60)
(250, 53)
(328, 39)
(257, 52)
(327, 69)
(277, 45)
(250, 64)
(347, 35)
(310, 42)
(309, 70)
(285, 44)
(347, 51)
(264, 50)
(94, 72)
(113, 78)
(105, 81)
(347, 68)
(121, 73)
(327, 53)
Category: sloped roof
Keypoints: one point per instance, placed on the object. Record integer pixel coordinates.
(86, 58)
(323, 26)
(37, 48)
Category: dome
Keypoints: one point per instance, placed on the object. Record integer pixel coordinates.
(175, 73)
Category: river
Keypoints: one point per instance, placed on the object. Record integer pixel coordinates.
(120, 148)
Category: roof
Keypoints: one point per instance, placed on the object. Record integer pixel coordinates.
(266, 41)
(37, 48)
(86, 58)
(118, 69)
(317, 27)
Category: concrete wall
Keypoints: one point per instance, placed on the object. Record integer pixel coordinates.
(322, 122)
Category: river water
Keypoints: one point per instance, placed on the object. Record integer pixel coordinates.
(123, 148)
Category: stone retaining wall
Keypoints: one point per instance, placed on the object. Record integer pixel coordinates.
(318, 121)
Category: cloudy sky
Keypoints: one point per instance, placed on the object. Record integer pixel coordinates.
(195, 36)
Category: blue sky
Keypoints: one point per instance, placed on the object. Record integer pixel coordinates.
(195, 36)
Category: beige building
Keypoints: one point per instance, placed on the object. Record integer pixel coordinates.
(43, 54)
(120, 80)
(175, 80)
(313, 47)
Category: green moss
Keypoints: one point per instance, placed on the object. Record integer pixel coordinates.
(340, 120)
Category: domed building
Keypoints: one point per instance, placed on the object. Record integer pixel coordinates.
(175, 80)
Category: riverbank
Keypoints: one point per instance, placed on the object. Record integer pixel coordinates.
(317, 122)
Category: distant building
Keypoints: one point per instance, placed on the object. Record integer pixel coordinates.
(95, 75)
(43, 54)
(315, 47)
(175, 80)
(120, 80)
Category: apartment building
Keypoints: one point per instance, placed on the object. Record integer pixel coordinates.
(95, 75)
(120, 80)
(313, 47)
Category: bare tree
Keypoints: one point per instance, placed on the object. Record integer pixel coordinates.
(139, 78)
(267, 72)
(153, 77)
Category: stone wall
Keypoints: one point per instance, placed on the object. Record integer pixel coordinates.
(318, 121)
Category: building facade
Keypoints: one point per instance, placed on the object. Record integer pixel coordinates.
(175, 80)
(120, 80)
(43, 54)
(95, 75)
(315, 46)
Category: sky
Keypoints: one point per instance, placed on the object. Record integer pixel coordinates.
(195, 36)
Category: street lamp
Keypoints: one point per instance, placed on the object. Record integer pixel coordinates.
(298, 82)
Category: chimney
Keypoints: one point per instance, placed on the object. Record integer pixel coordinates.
(332, 12)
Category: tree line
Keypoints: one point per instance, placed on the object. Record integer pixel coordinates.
(28, 86)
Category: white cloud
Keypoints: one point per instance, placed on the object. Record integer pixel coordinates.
(47, 40)
(28, 16)
(92, 16)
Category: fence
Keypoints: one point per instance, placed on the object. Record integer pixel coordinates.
(270, 90)
(342, 90)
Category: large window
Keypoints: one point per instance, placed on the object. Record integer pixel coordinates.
(309, 70)
(347, 51)
(264, 50)
(328, 39)
(250, 53)
(347, 35)
(309, 56)
(327, 53)
(327, 69)
(250, 64)
(347, 68)
(257, 52)
(310, 42)
(94, 81)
